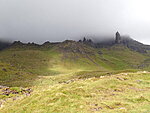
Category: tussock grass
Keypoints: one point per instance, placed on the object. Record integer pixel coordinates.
(89, 74)
(118, 93)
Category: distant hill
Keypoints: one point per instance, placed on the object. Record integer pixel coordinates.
(114, 54)
(96, 43)
(69, 55)
(4, 44)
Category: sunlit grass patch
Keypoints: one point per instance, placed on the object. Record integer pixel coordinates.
(116, 93)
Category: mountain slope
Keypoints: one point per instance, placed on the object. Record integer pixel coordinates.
(69, 55)
(52, 59)
(74, 76)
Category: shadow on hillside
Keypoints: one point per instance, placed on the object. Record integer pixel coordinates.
(17, 79)
(13, 76)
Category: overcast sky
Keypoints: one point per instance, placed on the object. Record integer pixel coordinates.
(57, 20)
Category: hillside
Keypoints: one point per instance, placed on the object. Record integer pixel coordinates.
(74, 75)
(70, 56)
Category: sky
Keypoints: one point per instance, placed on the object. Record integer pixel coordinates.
(57, 20)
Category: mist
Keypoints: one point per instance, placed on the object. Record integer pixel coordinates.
(57, 20)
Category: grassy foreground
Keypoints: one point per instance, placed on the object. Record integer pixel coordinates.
(67, 93)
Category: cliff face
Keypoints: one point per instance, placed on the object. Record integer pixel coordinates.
(135, 45)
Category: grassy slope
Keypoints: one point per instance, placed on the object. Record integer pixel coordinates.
(121, 57)
(126, 92)
(13, 77)
(71, 55)
(34, 67)
(63, 58)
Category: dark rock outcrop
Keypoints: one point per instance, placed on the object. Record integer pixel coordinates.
(118, 38)
(17, 43)
(87, 42)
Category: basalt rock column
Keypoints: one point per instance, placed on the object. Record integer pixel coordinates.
(118, 38)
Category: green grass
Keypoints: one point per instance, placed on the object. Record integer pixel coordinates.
(97, 74)
(61, 59)
(119, 93)
(75, 79)
(120, 57)
(11, 76)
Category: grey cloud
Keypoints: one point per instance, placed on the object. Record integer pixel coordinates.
(57, 20)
